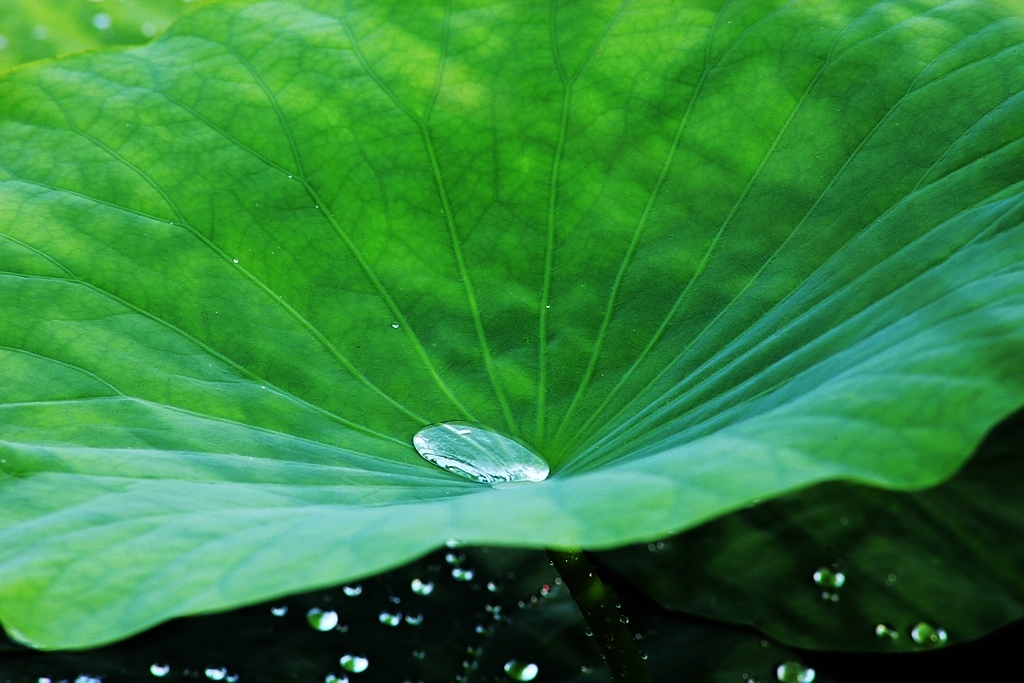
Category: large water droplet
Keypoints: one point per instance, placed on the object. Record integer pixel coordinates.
(478, 454)
(321, 620)
(521, 671)
(928, 635)
(422, 587)
(794, 672)
(356, 665)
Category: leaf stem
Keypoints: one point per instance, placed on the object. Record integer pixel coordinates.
(599, 605)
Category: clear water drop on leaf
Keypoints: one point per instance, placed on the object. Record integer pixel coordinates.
(352, 591)
(216, 673)
(521, 671)
(794, 672)
(160, 670)
(422, 587)
(414, 619)
(479, 454)
(455, 559)
(321, 620)
(355, 664)
(331, 678)
(279, 610)
(926, 634)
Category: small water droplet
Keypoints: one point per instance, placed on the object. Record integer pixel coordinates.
(928, 635)
(521, 671)
(234, 260)
(40, 32)
(794, 672)
(455, 559)
(623, 619)
(394, 325)
(216, 673)
(492, 609)
(886, 631)
(419, 654)
(102, 21)
(414, 619)
(584, 669)
(389, 618)
(148, 29)
(462, 574)
(160, 670)
(4, 42)
(322, 620)
(331, 678)
(354, 664)
(422, 587)
(890, 579)
(493, 587)
(452, 543)
(352, 591)
(279, 611)
(827, 578)
(478, 454)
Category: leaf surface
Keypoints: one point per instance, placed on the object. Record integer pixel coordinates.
(244, 265)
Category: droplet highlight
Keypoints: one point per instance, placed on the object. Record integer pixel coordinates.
(521, 671)
(794, 672)
(422, 587)
(160, 670)
(886, 631)
(927, 635)
(479, 454)
(390, 618)
(322, 620)
(354, 664)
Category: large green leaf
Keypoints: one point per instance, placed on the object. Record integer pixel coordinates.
(694, 254)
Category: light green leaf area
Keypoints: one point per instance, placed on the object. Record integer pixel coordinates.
(38, 29)
(694, 254)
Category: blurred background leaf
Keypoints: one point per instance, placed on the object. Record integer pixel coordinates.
(845, 567)
(39, 29)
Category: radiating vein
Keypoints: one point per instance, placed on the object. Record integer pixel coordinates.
(73, 278)
(568, 81)
(368, 271)
(835, 176)
(446, 209)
